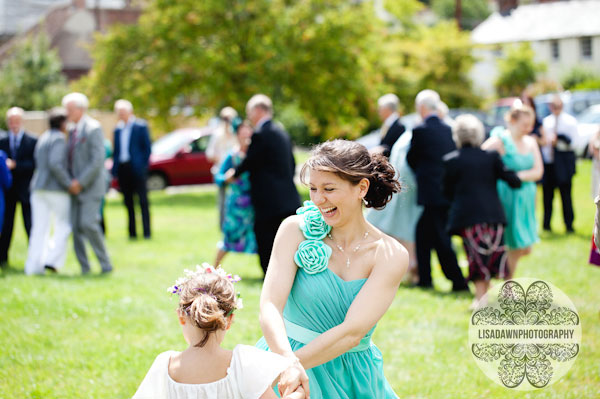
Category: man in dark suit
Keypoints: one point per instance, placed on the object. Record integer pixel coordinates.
(271, 164)
(19, 146)
(430, 142)
(130, 162)
(392, 128)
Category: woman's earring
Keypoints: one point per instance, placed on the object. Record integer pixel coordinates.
(364, 201)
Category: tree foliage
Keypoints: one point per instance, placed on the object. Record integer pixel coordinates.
(31, 77)
(473, 11)
(578, 76)
(324, 62)
(517, 70)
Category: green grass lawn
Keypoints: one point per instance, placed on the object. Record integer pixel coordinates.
(67, 336)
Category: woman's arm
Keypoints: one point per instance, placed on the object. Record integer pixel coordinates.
(371, 303)
(276, 289)
(493, 144)
(537, 171)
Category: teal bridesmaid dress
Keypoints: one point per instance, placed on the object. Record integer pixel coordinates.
(518, 203)
(317, 303)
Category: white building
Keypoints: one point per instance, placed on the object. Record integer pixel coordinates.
(562, 34)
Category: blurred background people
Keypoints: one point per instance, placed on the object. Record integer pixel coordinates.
(432, 140)
(85, 155)
(5, 183)
(50, 200)
(400, 216)
(130, 163)
(19, 147)
(238, 221)
(270, 162)
(521, 154)
(560, 130)
(476, 213)
(220, 144)
(388, 107)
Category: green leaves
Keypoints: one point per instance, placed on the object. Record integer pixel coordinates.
(517, 70)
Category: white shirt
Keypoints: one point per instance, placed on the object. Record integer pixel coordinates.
(564, 124)
(124, 139)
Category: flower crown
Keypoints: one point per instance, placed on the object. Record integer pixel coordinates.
(206, 268)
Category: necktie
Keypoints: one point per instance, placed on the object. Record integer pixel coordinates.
(72, 140)
(13, 146)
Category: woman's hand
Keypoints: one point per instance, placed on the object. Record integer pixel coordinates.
(292, 378)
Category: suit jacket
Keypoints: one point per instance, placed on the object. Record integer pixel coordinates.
(51, 163)
(23, 172)
(87, 160)
(271, 164)
(392, 135)
(139, 148)
(431, 140)
(470, 183)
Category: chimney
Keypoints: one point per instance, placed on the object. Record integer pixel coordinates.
(506, 6)
(80, 4)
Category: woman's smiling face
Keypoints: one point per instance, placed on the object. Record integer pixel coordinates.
(337, 199)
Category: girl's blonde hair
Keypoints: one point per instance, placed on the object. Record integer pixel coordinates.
(517, 110)
(208, 299)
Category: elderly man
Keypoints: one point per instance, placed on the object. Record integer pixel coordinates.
(430, 142)
(392, 128)
(560, 130)
(271, 164)
(19, 147)
(130, 166)
(85, 159)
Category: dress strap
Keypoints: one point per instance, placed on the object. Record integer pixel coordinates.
(304, 335)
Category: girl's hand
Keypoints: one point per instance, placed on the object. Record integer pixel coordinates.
(292, 378)
(297, 394)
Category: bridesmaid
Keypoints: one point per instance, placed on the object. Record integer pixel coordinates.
(332, 276)
(520, 153)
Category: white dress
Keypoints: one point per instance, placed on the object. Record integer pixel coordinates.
(250, 374)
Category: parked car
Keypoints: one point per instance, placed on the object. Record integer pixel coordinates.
(178, 158)
(574, 102)
(588, 123)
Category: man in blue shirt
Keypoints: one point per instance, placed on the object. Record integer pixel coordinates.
(130, 163)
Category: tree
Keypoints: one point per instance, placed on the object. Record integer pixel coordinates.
(31, 77)
(214, 53)
(517, 70)
(473, 11)
(578, 76)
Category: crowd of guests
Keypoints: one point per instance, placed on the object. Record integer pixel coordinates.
(60, 181)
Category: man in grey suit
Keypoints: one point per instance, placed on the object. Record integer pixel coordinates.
(85, 158)
(50, 200)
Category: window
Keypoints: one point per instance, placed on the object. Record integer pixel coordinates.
(555, 50)
(200, 145)
(585, 43)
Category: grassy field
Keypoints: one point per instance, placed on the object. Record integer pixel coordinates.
(68, 336)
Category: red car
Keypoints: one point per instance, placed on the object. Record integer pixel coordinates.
(178, 158)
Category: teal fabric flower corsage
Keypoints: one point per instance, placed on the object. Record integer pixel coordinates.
(313, 256)
(313, 225)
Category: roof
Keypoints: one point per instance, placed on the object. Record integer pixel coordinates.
(19, 16)
(543, 21)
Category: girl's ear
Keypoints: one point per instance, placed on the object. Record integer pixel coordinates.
(364, 187)
(181, 317)
(230, 321)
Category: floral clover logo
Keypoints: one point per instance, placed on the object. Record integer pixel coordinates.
(524, 338)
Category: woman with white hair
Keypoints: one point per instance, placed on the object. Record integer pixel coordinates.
(476, 213)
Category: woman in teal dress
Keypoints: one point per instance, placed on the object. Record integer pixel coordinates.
(521, 154)
(238, 218)
(332, 276)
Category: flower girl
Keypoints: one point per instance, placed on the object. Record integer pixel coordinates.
(207, 301)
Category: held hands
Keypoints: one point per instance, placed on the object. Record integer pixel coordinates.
(10, 164)
(75, 187)
(294, 380)
(229, 175)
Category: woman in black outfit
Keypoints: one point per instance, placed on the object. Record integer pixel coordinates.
(476, 213)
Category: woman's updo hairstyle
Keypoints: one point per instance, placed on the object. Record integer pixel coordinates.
(352, 162)
(208, 299)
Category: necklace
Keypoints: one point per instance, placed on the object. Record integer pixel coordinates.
(342, 249)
